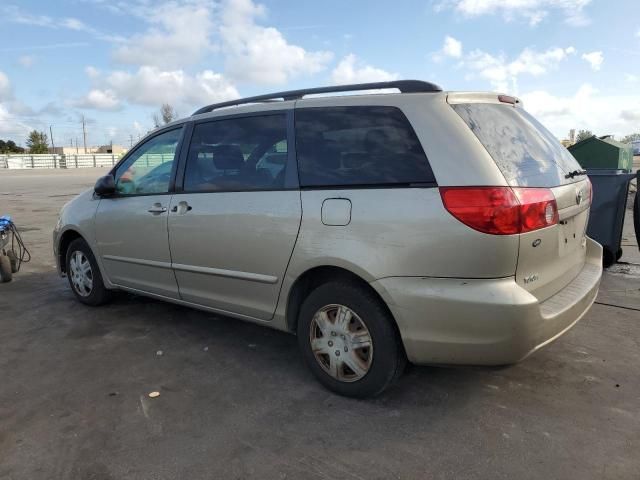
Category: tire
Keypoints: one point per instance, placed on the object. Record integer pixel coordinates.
(382, 363)
(93, 293)
(5, 269)
(14, 261)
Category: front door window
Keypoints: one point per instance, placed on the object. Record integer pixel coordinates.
(148, 169)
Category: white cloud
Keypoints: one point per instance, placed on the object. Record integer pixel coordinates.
(594, 59)
(14, 14)
(533, 11)
(452, 47)
(587, 108)
(178, 35)
(503, 73)
(153, 86)
(99, 100)
(9, 125)
(6, 92)
(92, 72)
(352, 70)
(631, 78)
(26, 60)
(260, 54)
(184, 33)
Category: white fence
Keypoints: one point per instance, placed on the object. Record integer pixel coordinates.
(58, 161)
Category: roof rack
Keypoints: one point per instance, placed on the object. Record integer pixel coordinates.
(405, 86)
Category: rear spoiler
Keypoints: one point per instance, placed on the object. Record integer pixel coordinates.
(482, 97)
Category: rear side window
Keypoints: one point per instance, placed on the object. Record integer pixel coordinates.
(236, 154)
(527, 154)
(367, 146)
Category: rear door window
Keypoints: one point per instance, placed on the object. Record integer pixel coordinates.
(238, 154)
(358, 146)
(527, 154)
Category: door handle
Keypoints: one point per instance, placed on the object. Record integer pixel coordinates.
(157, 208)
(181, 208)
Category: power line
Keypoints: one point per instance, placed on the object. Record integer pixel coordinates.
(53, 145)
(84, 135)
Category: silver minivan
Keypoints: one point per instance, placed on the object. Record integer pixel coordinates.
(421, 225)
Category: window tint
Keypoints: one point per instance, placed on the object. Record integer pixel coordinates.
(527, 154)
(247, 153)
(358, 146)
(148, 169)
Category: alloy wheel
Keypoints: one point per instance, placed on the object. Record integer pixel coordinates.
(341, 343)
(81, 273)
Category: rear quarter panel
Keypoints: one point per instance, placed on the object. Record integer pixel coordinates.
(398, 232)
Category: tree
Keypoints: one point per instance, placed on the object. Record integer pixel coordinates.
(10, 147)
(166, 114)
(631, 138)
(583, 134)
(38, 142)
(13, 148)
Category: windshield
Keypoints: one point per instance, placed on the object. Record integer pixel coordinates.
(527, 154)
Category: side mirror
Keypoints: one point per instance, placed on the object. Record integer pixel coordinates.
(105, 186)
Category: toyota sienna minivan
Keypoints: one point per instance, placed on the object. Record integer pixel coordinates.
(419, 225)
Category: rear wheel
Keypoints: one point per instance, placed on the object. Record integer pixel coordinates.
(84, 275)
(349, 341)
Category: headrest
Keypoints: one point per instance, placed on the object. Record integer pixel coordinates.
(227, 157)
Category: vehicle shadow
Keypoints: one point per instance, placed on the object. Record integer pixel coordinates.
(41, 306)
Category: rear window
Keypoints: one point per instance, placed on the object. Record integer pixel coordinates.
(366, 146)
(527, 154)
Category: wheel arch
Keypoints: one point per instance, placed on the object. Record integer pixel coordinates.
(316, 276)
(66, 238)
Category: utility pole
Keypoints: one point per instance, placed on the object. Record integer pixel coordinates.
(53, 145)
(84, 135)
(76, 145)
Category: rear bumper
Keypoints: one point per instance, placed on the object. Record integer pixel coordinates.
(485, 322)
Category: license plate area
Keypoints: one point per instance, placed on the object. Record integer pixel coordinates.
(571, 235)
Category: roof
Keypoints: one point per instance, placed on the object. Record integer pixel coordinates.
(405, 86)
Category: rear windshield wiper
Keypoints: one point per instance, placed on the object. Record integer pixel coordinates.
(575, 173)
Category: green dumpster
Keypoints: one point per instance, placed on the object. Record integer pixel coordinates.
(608, 164)
(603, 152)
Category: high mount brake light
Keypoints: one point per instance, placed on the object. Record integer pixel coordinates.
(501, 210)
(507, 99)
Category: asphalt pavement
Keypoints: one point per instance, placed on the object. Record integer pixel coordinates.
(236, 400)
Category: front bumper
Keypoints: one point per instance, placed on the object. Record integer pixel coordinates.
(485, 321)
(56, 254)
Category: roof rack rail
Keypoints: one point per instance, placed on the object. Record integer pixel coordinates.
(405, 86)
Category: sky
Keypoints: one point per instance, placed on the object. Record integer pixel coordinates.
(574, 63)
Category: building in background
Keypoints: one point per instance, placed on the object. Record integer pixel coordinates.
(111, 148)
(567, 142)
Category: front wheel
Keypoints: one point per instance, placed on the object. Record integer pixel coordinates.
(349, 341)
(84, 275)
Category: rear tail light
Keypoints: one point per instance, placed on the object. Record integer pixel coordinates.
(501, 210)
